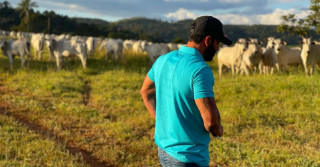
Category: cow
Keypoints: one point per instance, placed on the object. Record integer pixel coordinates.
(309, 55)
(155, 50)
(11, 48)
(231, 56)
(113, 47)
(38, 42)
(269, 58)
(127, 44)
(287, 56)
(139, 46)
(91, 46)
(65, 48)
(251, 57)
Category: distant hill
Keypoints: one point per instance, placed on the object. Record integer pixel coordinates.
(132, 28)
(91, 21)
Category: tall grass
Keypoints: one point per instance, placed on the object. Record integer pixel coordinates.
(269, 120)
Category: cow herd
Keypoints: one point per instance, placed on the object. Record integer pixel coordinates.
(245, 56)
(250, 56)
(63, 46)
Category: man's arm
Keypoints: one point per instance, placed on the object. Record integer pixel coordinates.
(148, 93)
(210, 115)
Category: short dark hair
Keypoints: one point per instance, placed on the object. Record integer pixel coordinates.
(196, 37)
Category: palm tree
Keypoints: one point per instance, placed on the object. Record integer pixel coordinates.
(25, 6)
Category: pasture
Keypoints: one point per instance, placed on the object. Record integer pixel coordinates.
(269, 120)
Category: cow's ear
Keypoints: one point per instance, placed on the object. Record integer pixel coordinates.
(260, 42)
(284, 43)
(313, 42)
(300, 42)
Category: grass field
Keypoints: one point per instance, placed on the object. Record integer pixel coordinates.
(269, 120)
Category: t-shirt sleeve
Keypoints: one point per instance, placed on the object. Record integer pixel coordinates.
(151, 74)
(203, 83)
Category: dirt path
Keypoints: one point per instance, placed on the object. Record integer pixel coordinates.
(49, 134)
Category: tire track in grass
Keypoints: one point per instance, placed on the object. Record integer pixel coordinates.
(49, 134)
(86, 91)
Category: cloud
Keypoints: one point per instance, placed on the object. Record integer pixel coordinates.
(237, 19)
(181, 14)
(233, 1)
(275, 16)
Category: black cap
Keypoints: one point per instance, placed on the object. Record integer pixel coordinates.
(209, 26)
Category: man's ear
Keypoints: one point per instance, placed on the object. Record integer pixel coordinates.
(207, 41)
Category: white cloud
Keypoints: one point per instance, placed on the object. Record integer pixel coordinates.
(275, 16)
(236, 19)
(181, 14)
(233, 1)
(284, 1)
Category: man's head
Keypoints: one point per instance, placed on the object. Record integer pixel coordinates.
(208, 30)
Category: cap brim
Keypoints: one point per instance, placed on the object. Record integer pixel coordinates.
(225, 41)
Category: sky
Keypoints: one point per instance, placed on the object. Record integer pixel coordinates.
(239, 12)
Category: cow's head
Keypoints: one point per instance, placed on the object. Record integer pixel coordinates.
(306, 45)
(51, 43)
(270, 42)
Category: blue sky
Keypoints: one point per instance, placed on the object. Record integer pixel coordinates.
(245, 12)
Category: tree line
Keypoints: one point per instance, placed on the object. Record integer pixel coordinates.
(132, 28)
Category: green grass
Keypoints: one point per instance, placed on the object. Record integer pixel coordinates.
(22, 147)
(269, 120)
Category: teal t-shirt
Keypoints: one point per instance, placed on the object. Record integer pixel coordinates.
(180, 77)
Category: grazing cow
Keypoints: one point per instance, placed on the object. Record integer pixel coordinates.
(269, 58)
(309, 55)
(113, 47)
(155, 50)
(11, 48)
(38, 42)
(231, 56)
(65, 48)
(251, 57)
(286, 55)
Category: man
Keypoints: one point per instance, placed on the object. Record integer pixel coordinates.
(178, 93)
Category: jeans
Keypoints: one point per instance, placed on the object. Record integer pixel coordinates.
(168, 161)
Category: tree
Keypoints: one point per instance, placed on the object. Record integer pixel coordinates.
(5, 4)
(25, 6)
(302, 26)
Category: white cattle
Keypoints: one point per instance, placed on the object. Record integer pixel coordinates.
(139, 46)
(310, 55)
(113, 47)
(251, 57)
(11, 48)
(231, 56)
(269, 58)
(91, 46)
(286, 55)
(13, 34)
(173, 46)
(38, 42)
(155, 50)
(127, 44)
(65, 48)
